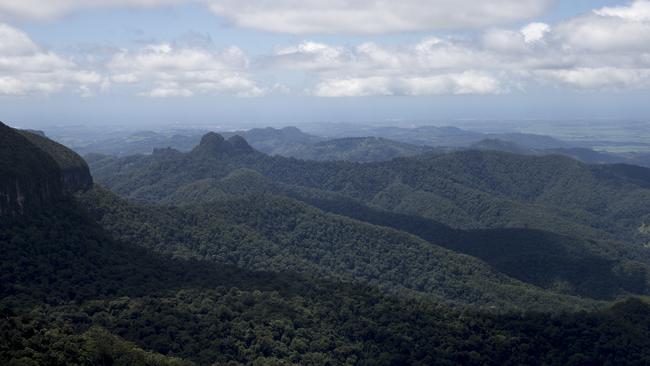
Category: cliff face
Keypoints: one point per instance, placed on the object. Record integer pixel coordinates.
(36, 172)
(75, 174)
(29, 177)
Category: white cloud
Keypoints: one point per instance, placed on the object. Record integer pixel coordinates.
(429, 54)
(26, 68)
(372, 16)
(165, 70)
(48, 9)
(535, 32)
(638, 11)
(604, 34)
(316, 16)
(312, 55)
(601, 78)
(468, 82)
(608, 48)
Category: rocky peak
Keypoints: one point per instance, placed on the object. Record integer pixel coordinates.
(214, 144)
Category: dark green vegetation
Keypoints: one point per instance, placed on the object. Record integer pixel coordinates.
(264, 232)
(358, 149)
(547, 220)
(259, 276)
(468, 189)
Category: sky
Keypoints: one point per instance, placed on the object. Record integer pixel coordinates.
(144, 62)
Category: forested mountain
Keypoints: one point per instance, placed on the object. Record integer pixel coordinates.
(465, 189)
(439, 136)
(356, 145)
(357, 149)
(264, 279)
(548, 221)
(271, 233)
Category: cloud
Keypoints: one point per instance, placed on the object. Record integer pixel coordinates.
(535, 32)
(316, 16)
(625, 28)
(26, 68)
(639, 11)
(372, 16)
(599, 78)
(429, 54)
(166, 70)
(48, 9)
(589, 52)
(430, 67)
(607, 48)
(468, 82)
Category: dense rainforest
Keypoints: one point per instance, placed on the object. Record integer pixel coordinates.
(268, 272)
(549, 221)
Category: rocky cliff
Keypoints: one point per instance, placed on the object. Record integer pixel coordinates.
(75, 174)
(35, 171)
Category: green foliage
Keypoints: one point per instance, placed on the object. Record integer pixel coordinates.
(469, 189)
(548, 221)
(357, 149)
(585, 267)
(175, 312)
(271, 233)
(71, 294)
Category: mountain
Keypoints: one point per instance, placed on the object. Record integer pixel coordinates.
(73, 294)
(131, 143)
(279, 234)
(464, 189)
(549, 221)
(29, 177)
(270, 140)
(446, 136)
(501, 145)
(357, 149)
(75, 173)
(277, 141)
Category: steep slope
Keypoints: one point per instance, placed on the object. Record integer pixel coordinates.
(74, 170)
(29, 177)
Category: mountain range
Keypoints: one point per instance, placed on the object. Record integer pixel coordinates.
(226, 255)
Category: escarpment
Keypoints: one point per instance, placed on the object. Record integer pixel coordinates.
(35, 172)
(75, 174)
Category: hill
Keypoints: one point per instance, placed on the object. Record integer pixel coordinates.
(71, 294)
(281, 235)
(357, 149)
(549, 221)
(437, 136)
(465, 189)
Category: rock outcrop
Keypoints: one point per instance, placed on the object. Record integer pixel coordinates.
(36, 172)
(75, 174)
(214, 144)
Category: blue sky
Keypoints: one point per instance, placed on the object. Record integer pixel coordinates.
(289, 61)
